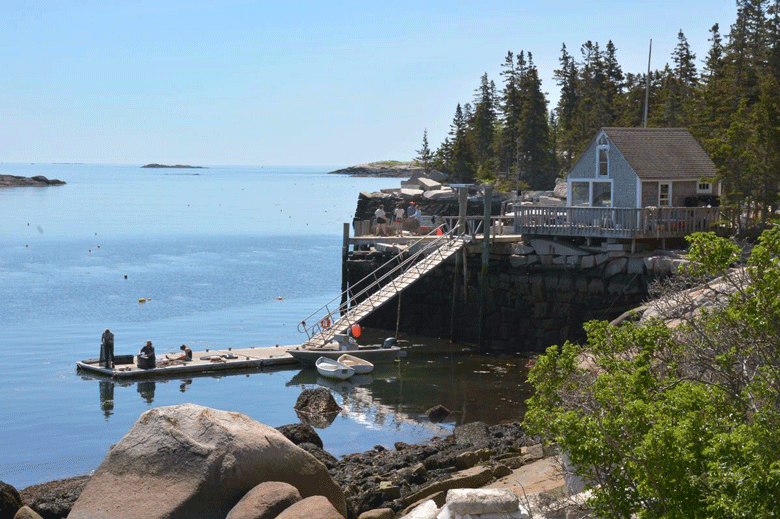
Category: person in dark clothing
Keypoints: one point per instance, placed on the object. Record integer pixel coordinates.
(187, 355)
(107, 349)
(146, 357)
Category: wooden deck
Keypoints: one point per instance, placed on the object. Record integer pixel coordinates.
(622, 223)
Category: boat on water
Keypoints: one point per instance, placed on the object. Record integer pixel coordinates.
(389, 351)
(333, 369)
(361, 366)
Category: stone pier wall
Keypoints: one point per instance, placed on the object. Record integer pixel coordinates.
(536, 297)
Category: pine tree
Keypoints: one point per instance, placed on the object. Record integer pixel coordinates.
(462, 156)
(483, 121)
(567, 78)
(535, 158)
(424, 156)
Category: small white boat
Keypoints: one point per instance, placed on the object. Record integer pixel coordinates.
(333, 369)
(361, 366)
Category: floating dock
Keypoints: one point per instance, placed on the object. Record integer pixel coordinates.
(202, 362)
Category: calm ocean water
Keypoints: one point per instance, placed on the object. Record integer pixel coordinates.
(226, 257)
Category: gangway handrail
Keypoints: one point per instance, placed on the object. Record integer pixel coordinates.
(329, 310)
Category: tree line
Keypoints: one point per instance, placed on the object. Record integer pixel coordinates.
(507, 135)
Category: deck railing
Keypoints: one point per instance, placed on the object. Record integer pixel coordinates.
(616, 222)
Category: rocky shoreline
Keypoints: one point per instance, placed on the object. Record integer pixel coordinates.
(380, 483)
(36, 181)
(379, 169)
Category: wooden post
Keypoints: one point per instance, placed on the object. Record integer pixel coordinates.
(487, 202)
(344, 273)
(463, 200)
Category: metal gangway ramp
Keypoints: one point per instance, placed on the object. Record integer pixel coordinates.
(335, 317)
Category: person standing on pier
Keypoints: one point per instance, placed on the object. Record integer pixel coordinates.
(107, 349)
(381, 220)
(399, 220)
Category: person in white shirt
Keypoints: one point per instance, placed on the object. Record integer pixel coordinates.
(381, 221)
(399, 220)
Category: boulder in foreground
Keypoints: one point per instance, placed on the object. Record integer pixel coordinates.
(191, 461)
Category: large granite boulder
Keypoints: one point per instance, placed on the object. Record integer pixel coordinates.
(265, 501)
(191, 461)
(26, 512)
(311, 507)
(10, 501)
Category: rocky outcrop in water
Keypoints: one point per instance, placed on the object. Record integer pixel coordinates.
(36, 181)
(380, 169)
(154, 165)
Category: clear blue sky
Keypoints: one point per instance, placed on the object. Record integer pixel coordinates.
(293, 82)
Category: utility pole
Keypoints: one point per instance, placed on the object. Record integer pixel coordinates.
(647, 85)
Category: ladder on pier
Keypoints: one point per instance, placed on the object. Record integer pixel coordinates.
(376, 289)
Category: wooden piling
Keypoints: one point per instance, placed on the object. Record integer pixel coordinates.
(487, 198)
(344, 272)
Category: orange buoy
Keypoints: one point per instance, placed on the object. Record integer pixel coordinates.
(356, 330)
(438, 232)
(325, 323)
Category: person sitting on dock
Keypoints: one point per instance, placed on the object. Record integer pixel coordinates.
(107, 349)
(146, 357)
(187, 355)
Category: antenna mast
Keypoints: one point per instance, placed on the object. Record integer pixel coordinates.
(647, 84)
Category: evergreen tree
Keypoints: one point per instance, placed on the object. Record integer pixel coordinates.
(424, 156)
(483, 120)
(505, 143)
(536, 164)
(567, 78)
(462, 156)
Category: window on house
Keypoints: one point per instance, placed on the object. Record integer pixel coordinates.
(704, 187)
(603, 167)
(580, 194)
(602, 194)
(664, 194)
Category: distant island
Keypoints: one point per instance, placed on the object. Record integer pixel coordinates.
(384, 168)
(179, 166)
(36, 181)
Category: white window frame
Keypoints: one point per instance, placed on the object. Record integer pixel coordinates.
(669, 195)
(703, 188)
(603, 146)
(590, 183)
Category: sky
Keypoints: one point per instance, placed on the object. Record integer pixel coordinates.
(295, 82)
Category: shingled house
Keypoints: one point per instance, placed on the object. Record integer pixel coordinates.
(642, 167)
(632, 184)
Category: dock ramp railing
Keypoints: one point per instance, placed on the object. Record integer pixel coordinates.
(335, 318)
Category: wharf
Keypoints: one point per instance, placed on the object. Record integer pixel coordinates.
(202, 362)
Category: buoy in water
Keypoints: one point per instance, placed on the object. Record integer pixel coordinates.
(141, 299)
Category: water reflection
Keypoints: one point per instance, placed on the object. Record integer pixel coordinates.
(472, 386)
(106, 388)
(146, 390)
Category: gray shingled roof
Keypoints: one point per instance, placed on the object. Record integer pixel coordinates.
(662, 153)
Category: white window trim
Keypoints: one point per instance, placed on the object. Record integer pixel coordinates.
(671, 197)
(590, 182)
(599, 148)
(700, 191)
